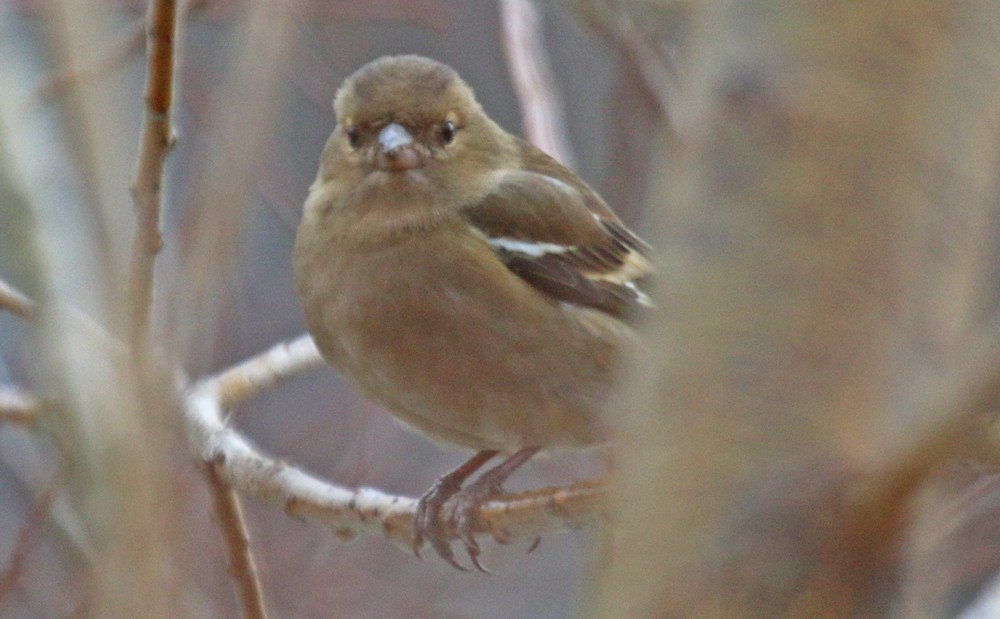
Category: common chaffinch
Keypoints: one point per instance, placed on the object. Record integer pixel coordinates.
(463, 279)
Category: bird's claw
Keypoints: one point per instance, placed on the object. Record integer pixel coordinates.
(427, 523)
(464, 505)
(534, 544)
(465, 508)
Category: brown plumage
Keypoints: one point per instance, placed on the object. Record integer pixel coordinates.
(461, 277)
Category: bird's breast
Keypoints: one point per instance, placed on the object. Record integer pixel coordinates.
(456, 346)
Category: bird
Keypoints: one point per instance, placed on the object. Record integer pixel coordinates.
(464, 280)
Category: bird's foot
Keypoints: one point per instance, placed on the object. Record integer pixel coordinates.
(464, 509)
(429, 525)
(428, 521)
(464, 505)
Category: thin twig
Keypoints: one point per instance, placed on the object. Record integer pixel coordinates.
(156, 141)
(242, 566)
(350, 512)
(541, 107)
(18, 407)
(15, 301)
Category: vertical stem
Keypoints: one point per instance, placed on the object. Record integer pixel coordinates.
(155, 143)
(236, 537)
(541, 108)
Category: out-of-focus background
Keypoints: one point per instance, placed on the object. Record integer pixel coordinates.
(252, 110)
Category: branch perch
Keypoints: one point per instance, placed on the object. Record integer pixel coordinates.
(350, 513)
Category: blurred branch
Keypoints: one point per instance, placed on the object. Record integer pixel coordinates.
(349, 513)
(531, 75)
(25, 539)
(211, 233)
(15, 301)
(18, 407)
(951, 419)
(242, 567)
(643, 49)
(657, 73)
(156, 141)
(121, 51)
(818, 374)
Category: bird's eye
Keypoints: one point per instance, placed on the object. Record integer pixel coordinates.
(448, 130)
(354, 136)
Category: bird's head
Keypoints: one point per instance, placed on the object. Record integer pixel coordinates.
(407, 117)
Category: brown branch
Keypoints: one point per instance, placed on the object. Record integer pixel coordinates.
(15, 301)
(242, 566)
(156, 141)
(541, 108)
(350, 512)
(18, 407)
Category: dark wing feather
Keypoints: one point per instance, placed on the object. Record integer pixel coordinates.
(561, 280)
(558, 236)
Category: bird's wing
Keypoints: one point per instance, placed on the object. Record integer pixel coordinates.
(563, 240)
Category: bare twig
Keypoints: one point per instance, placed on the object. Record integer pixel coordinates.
(350, 512)
(236, 384)
(157, 139)
(242, 567)
(18, 407)
(16, 302)
(541, 108)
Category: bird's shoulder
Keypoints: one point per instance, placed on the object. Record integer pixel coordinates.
(553, 231)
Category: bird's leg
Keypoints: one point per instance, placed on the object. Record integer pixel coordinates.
(468, 500)
(428, 518)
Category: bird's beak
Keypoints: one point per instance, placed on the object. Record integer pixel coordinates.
(398, 150)
(394, 136)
